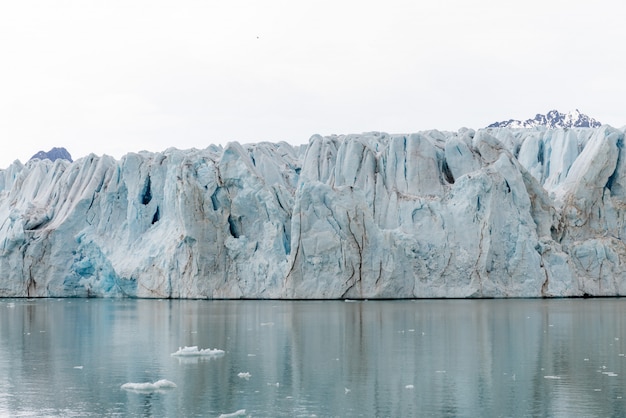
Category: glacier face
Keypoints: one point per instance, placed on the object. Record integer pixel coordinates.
(490, 213)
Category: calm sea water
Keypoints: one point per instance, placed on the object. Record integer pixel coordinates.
(70, 357)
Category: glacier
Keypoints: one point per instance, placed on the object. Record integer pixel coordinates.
(488, 213)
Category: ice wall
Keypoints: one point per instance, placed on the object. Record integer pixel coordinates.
(488, 213)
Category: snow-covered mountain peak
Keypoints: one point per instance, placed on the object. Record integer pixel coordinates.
(553, 119)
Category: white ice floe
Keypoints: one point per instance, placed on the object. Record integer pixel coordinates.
(78, 367)
(552, 377)
(244, 375)
(162, 384)
(238, 413)
(409, 387)
(194, 351)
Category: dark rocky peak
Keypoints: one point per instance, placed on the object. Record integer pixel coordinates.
(53, 155)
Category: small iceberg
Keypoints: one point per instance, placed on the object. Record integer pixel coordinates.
(244, 375)
(149, 387)
(195, 352)
(239, 413)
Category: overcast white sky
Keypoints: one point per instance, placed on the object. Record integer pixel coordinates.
(112, 77)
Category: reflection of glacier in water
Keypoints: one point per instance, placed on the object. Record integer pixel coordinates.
(375, 358)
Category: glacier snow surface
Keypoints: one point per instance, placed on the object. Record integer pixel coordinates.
(490, 213)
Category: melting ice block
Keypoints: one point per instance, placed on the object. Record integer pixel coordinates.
(195, 352)
(149, 387)
(238, 413)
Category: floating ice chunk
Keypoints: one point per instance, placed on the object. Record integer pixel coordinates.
(274, 384)
(194, 351)
(267, 324)
(346, 390)
(409, 387)
(552, 377)
(610, 374)
(149, 387)
(78, 367)
(244, 375)
(238, 413)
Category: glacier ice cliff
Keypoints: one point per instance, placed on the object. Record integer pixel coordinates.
(496, 212)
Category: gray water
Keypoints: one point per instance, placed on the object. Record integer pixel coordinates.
(70, 357)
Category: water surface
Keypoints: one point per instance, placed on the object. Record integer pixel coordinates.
(70, 357)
